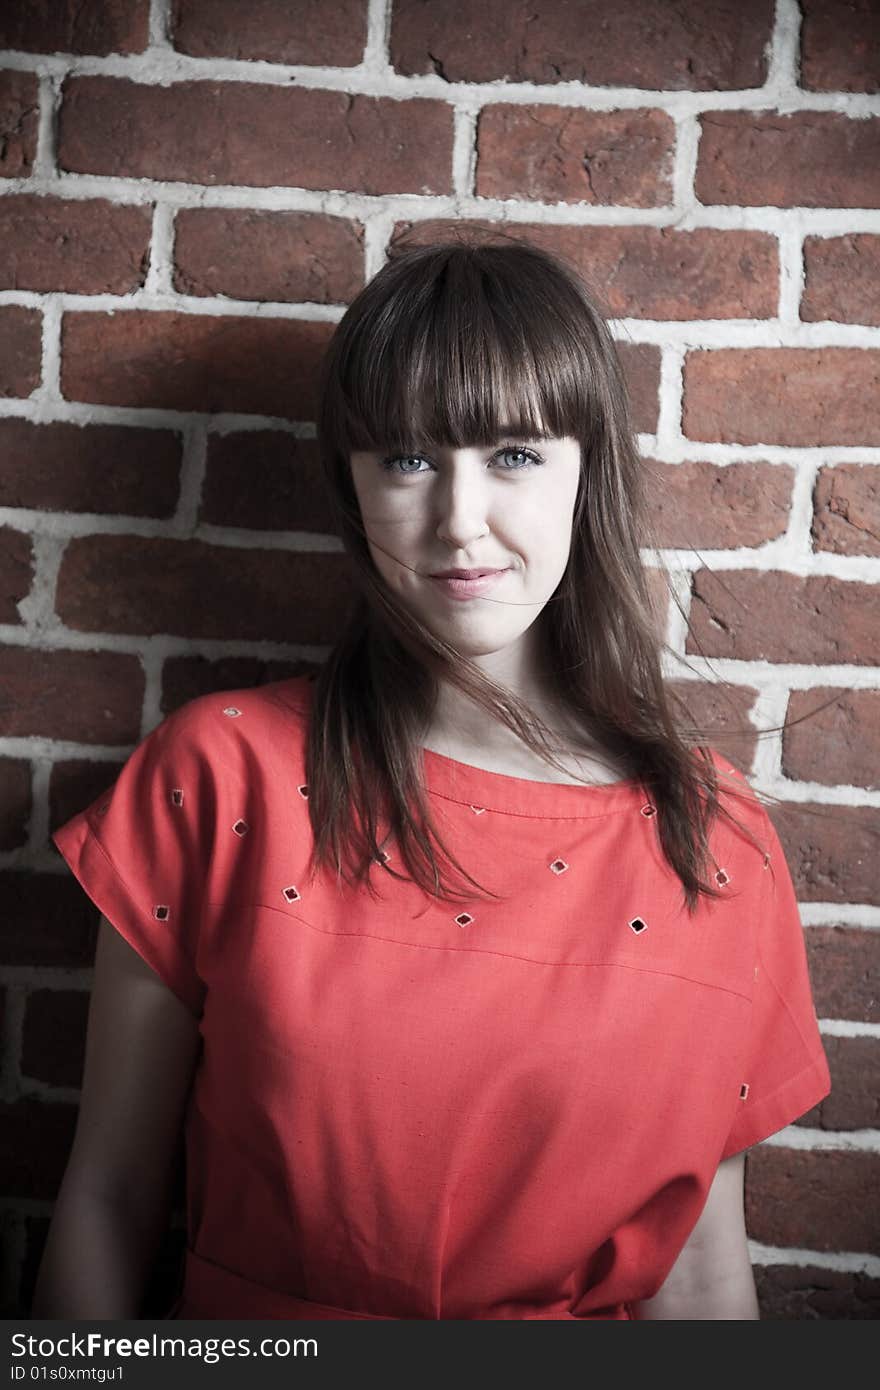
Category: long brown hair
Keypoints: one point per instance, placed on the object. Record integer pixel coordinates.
(447, 343)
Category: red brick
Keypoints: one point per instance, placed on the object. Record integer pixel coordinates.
(844, 970)
(186, 677)
(16, 572)
(697, 45)
(15, 802)
(661, 273)
(247, 134)
(568, 155)
(831, 851)
(47, 920)
(54, 1035)
(19, 122)
(281, 256)
(854, 1102)
(105, 469)
(649, 272)
(88, 247)
(839, 48)
(641, 367)
(836, 745)
(188, 362)
(846, 509)
(720, 711)
(20, 350)
(266, 480)
(89, 697)
(76, 783)
(37, 1138)
(842, 278)
(793, 1293)
(76, 26)
(756, 615)
(810, 159)
(789, 396)
(813, 1201)
(310, 31)
(134, 584)
(707, 505)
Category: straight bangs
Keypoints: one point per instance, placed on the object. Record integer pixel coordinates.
(463, 351)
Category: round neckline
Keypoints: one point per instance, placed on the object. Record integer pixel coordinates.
(481, 789)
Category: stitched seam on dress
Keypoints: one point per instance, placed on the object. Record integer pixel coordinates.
(814, 1064)
(784, 1002)
(507, 955)
(751, 1115)
(542, 815)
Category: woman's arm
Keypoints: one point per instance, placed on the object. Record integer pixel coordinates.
(712, 1277)
(113, 1205)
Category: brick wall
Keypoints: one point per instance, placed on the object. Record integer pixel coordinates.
(192, 190)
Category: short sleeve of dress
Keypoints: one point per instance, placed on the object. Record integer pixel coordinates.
(142, 850)
(786, 1070)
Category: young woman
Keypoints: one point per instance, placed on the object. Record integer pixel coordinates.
(470, 971)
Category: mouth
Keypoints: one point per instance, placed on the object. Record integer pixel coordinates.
(463, 584)
(465, 574)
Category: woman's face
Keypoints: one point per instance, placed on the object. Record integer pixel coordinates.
(506, 506)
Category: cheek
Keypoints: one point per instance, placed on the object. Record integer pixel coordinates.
(549, 542)
(393, 543)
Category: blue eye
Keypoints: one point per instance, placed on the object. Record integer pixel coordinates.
(531, 460)
(388, 464)
(531, 457)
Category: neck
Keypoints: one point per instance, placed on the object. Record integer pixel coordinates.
(460, 724)
(518, 671)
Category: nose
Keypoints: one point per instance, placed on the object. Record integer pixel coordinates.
(462, 503)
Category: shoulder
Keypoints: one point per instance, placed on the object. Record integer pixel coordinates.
(240, 711)
(743, 817)
(732, 781)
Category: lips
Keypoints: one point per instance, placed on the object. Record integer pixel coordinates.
(466, 584)
(465, 574)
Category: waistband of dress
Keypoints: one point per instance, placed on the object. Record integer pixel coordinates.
(210, 1290)
(213, 1291)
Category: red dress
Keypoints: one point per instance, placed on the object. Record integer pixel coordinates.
(407, 1108)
